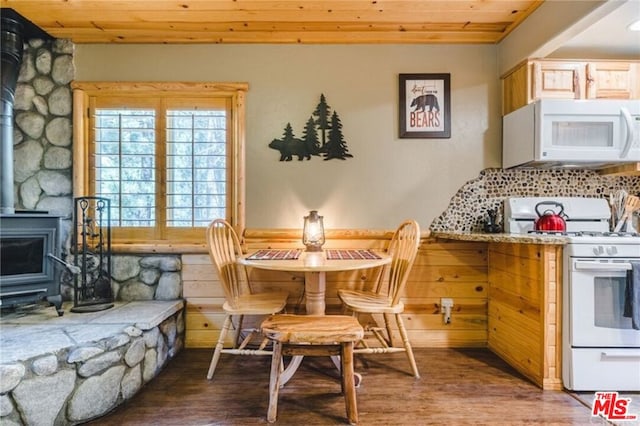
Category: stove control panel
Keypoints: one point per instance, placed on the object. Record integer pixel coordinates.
(608, 250)
(612, 248)
(602, 250)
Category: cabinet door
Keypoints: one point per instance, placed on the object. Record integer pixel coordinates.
(611, 80)
(558, 80)
(515, 89)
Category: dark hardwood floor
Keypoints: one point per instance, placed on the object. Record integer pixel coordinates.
(458, 387)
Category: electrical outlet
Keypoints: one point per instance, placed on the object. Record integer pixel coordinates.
(446, 302)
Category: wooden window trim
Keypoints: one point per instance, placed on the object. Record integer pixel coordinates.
(235, 92)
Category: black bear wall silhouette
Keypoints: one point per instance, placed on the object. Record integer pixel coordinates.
(289, 148)
(330, 143)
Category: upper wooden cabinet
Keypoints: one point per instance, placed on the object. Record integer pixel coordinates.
(569, 79)
(612, 80)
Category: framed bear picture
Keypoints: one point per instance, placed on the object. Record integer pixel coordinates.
(425, 106)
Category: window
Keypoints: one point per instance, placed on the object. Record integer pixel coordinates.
(196, 166)
(168, 155)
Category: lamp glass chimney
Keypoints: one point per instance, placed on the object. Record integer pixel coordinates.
(313, 232)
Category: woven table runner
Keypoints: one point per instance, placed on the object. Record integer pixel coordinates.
(350, 254)
(269, 254)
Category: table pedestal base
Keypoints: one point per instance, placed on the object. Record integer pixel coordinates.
(315, 287)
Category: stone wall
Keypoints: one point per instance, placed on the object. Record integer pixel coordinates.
(468, 208)
(151, 277)
(147, 277)
(43, 129)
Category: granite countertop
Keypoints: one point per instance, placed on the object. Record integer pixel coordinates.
(500, 238)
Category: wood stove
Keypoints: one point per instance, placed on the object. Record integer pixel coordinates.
(29, 241)
(29, 250)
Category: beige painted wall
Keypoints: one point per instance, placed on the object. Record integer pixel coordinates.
(388, 179)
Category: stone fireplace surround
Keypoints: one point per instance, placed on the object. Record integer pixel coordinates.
(71, 369)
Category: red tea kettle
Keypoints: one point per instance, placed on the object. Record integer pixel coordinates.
(549, 220)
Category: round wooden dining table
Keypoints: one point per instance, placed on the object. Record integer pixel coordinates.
(315, 266)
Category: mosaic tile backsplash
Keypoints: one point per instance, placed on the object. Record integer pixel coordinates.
(468, 208)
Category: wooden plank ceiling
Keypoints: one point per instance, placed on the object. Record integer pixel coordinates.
(283, 21)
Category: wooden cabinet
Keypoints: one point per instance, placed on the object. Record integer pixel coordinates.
(525, 309)
(612, 80)
(569, 79)
(557, 80)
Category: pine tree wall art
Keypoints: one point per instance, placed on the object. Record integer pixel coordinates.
(322, 137)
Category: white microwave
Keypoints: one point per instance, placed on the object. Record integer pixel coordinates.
(578, 133)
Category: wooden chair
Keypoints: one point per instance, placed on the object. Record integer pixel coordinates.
(385, 297)
(224, 246)
(313, 335)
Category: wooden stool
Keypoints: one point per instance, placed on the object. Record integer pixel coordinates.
(313, 335)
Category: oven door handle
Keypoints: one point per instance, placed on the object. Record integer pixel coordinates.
(601, 266)
(621, 353)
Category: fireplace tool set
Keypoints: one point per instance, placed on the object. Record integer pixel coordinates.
(91, 248)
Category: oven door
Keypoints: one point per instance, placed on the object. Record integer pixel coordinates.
(596, 304)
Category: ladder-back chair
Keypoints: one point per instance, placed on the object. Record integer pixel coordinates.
(384, 298)
(224, 247)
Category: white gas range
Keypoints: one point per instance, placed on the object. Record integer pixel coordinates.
(601, 349)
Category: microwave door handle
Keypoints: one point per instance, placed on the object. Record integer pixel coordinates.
(597, 266)
(630, 132)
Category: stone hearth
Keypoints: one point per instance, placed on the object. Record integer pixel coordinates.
(70, 369)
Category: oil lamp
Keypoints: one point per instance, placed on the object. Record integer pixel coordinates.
(313, 231)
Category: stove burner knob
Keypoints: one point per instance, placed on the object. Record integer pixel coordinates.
(598, 250)
(612, 250)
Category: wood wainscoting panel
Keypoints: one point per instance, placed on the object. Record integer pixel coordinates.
(204, 298)
(524, 309)
(443, 269)
(448, 269)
